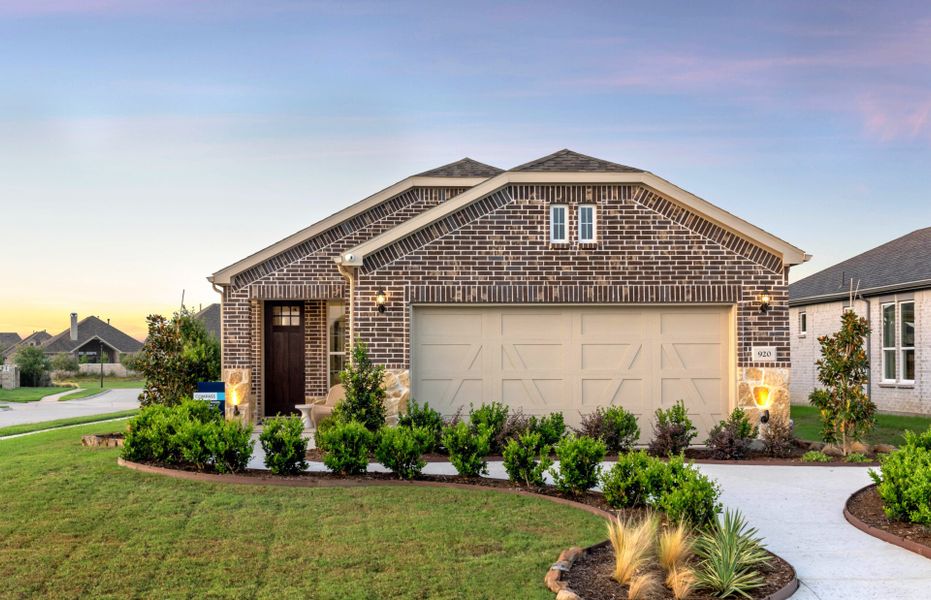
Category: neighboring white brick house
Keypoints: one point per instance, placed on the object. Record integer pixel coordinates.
(894, 294)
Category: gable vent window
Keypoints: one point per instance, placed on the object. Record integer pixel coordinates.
(802, 324)
(558, 213)
(586, 223)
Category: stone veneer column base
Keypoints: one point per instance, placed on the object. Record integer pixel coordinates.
(397, 392)
(774, 378)
(238, 384)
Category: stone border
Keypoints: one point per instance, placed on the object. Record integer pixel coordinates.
(555, 583)
(329, 482)
(882, 534)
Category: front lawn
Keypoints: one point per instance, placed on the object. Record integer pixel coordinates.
(28, 427)
(77, 525)
(30, 394)
(888, 429)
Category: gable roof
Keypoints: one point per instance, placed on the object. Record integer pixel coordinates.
(526, 174)
(90, 328)
(567, 161)
(465, 167)
(9, 338)
(451, 175)
(210, 317)
(36, 338)
(900, 264)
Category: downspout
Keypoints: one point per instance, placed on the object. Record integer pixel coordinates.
(350, 274)
(869, 348)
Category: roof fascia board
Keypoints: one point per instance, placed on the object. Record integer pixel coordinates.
(789, 253)
(873, 291)
(224, 276)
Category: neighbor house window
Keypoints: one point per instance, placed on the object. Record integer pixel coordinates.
(587, 227)
(888, 342)
(802, 323)
(558, 229)
(907, 340)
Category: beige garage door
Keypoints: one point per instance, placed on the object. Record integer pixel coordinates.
(573, 359)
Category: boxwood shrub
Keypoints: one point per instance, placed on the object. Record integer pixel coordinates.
(400, 449)
(492, 417)
(285, 447)
(526, 459)
(426, 418)
(613, 425)
(467, 448)
(346, 447)
(579, 464)
(673, 430)
(904, 480)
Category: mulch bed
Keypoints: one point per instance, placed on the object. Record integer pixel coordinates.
(590, 578)
(867, 506)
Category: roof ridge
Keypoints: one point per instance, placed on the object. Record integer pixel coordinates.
(449, 169)
(574, 162)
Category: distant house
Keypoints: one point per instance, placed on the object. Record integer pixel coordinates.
(210, 317)
(89, 338)
(892, 285)
(8, 339)
(36, 338)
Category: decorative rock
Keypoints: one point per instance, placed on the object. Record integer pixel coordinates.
(832, 450)
(109, 440)
(812, 445)
(757, 445)
(567, 595)
(884, 448)
(859, 448)
(397, 393)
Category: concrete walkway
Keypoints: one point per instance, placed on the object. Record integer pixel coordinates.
(50, 410)
(799, 512)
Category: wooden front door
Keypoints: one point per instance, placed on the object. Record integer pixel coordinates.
(284, 357)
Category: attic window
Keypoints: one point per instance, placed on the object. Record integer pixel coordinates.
(558, 229)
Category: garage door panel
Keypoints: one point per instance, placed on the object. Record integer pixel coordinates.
(574, 359)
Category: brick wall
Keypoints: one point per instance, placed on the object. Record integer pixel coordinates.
(498, 250)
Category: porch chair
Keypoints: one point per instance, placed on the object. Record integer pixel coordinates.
(318, 412)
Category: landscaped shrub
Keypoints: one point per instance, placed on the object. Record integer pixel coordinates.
(400, 448)
(730, 556)
(815, 456)
(33, 366)
(467, 448)
(778, 440)
(161, 433)
(579, 464)
(230, 444)
(284, 445)
(846, 410)
(613, 425)
(551, 427)
(191, 438)
(493, 417)
(64, 363)
(686, 494)
(904, 480)
(346, 447)
(730, 439)
(673, 431)
(857, 457)
(630, 481)
(526, 459)
(425, 418)
(364, 401)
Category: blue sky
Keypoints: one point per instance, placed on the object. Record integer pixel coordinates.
(145, 144)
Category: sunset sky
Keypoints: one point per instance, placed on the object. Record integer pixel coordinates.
(146, 144)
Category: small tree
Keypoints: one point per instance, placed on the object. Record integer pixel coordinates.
(64, 363)
(176, 355)
(365, 390)
(847, 413)
(33, 365)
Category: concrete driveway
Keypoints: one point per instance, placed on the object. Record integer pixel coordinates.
(50, 410)
(799, 512)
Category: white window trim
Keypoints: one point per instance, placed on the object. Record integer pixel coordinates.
(565, 223)
(802, 318)
(594, 238)
(902, 349)
(329, 342)
(883, 341)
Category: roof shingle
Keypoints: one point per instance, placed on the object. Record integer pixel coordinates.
(904, 260)
(568, 161)
(88, 329)
(462, 168)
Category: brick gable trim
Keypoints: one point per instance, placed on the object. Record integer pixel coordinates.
(573, 294)
(280, 291)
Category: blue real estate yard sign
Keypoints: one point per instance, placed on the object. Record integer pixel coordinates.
(212, 391)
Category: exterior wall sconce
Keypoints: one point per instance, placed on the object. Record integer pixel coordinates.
(381, 297)
(234, 398)
(765, 302)
(761, 398)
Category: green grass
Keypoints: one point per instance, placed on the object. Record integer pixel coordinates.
(28, 427)
(76, 525)
(888, 429)
(29, 394)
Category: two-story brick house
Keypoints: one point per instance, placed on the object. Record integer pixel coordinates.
(562, 284)
(891, 287)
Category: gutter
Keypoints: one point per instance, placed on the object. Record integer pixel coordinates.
(350, 274)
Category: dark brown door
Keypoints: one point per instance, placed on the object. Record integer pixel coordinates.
(284, 357)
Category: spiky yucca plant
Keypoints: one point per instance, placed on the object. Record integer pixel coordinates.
(632, 543)
(730, 555)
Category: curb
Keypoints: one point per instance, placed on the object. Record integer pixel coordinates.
(882, 534)
(554, 579)
(91, 397)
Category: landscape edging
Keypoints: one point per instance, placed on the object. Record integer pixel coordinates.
(882, 534)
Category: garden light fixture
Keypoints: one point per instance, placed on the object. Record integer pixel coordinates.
(381, 298)
(761, 398)
(765, 302)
